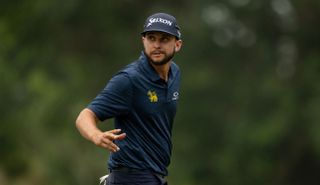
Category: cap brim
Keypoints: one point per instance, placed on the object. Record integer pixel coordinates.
(159, 30)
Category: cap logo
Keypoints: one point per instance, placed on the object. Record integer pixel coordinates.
(155, 20)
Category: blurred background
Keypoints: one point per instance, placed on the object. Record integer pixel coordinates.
(249, 110)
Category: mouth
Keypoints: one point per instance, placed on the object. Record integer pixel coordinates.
(157, 53)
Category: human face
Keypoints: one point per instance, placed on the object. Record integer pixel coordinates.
(160, 47)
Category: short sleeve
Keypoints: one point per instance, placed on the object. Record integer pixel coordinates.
(115, 99)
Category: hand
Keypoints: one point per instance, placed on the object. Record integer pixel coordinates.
(105, 139)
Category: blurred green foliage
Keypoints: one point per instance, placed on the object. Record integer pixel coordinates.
(250, 97)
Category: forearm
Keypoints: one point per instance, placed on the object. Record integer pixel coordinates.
(87, 126)
(86, 123)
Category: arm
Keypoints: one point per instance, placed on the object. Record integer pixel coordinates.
(86, 123)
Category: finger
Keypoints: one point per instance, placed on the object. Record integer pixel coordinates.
(108, 147)
(114, 147)
(106, 140)
(104, 145)
(113, 136)
(114, 131)
(109, 136)
(120, 136)
(111, 146)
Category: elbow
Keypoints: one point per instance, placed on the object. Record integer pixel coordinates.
(85, 115)
(78, 120)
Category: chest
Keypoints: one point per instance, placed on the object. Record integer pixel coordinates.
(150, 98)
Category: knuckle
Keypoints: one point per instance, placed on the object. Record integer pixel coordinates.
(107, 141)
(97, 142)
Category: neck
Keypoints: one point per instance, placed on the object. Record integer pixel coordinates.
(162, 70)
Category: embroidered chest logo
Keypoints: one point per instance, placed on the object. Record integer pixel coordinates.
(152, 96)
(175, 95)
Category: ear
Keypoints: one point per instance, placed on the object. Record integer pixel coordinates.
(178, 45)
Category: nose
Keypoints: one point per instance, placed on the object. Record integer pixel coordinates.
(156, 44)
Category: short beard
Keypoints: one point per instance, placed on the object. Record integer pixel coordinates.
(162, 62)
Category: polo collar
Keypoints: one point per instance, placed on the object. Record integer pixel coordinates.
(151, 72)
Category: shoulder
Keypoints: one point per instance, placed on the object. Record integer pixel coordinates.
(175, 67)
(132, 71)
(124, 78)
(125, 75)
(175, 70)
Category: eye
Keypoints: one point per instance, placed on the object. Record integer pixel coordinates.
(165, 39)
(151, 38)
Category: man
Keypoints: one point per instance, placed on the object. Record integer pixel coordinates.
(142, 98)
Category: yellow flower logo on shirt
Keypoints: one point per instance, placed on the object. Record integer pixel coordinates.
(152, 96)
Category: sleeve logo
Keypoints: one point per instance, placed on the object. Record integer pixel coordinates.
(152, 96)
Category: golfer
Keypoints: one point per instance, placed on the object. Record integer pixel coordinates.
(142, 97)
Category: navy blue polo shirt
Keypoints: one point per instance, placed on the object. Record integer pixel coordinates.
(144, 107)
